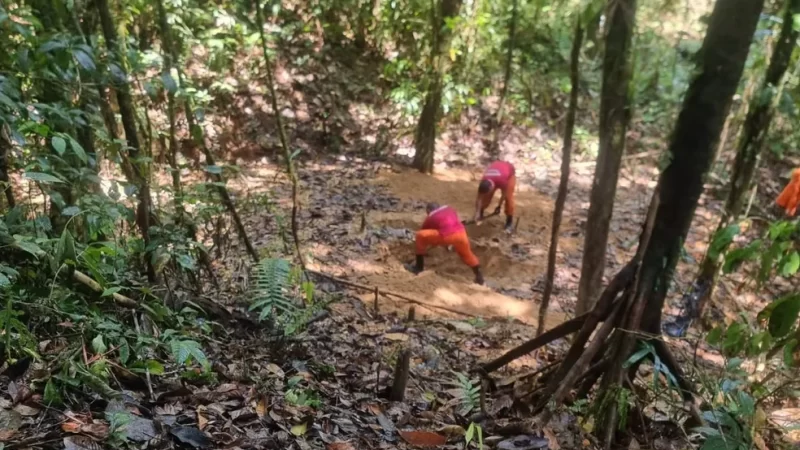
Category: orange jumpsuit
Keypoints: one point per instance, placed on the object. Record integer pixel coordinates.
(442, 227)
(502, 175)
(790, 197)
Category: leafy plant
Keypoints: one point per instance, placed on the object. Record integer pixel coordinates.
(467, 394)
(472, 430)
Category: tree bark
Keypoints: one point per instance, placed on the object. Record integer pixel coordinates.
(167, 52)
(5, 181)
(566, 156)
(614, 118)
(126, 110)
(754, 134)
(498, 119)
(425, 135)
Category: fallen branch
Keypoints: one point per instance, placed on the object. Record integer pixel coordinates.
(641, 155)
(386, 293)
(120, 299)
(563, 330)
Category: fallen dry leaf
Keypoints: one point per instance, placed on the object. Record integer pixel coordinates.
(275, 370)
(423, 438)
(261, 406)
(202, 420)
(452, 431)
(6, 435)
(25, 410)
(340, 446)
(551, 439)
(97, 430)
(71, 427)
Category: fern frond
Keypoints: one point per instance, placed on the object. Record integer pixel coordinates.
(269, 293)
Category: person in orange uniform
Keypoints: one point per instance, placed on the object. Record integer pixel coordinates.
(500, 175)
(790, 197)
(443, 228)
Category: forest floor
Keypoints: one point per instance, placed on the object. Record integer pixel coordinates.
(359, 210)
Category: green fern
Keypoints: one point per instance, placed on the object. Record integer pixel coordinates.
(186, 350)
(269, 292)
(467, 394)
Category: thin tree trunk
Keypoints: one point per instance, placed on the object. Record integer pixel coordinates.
(614, 118)
(287, 153)
(425, 135)
(498, 119)
(128, 113)
(167, 52)
(566, 156)
(5, 181)
(755, 130)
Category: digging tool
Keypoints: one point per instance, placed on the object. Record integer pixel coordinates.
(470, 221)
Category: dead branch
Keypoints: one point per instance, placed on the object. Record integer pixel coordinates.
(401, 371)
(386, 293)
(120, 299)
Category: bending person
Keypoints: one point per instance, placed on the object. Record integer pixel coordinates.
(443, 228)
(500, 175)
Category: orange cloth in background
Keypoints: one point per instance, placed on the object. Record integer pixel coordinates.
(486, 199)
(790, 197)
(459, 241)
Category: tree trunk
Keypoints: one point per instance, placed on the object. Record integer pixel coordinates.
(126, 110)
(566, 155)
(167, 52)
(498, 119)
(287, 153)
(5, 181)
(425, 136)
(754, 134)
(614, 118)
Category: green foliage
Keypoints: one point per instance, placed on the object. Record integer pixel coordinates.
(473, 430)
(279, 295)
(467, 394)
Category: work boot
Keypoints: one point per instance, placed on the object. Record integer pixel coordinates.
(478, 275)
(418, 267)
(509, 220)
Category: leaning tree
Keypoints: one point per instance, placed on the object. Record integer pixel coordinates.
(630, 307)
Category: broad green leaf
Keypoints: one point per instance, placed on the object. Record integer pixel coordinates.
(790, 265)
(111, 291)
(169, 83)
(788, 352)
(42, 177)
(784, 315)
(84, 59)
(734, 258)
(98, 345)
(470, 433)
(715, 336)
(59, 144)
(4, 281)
(70, 211)
(722, 239)
(186, 261)
(79, 151)
(154, 367)
(51, 395)
(65, 250)
(124, 352)
(29, 247)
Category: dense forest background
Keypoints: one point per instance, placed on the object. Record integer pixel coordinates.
(207, 204)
